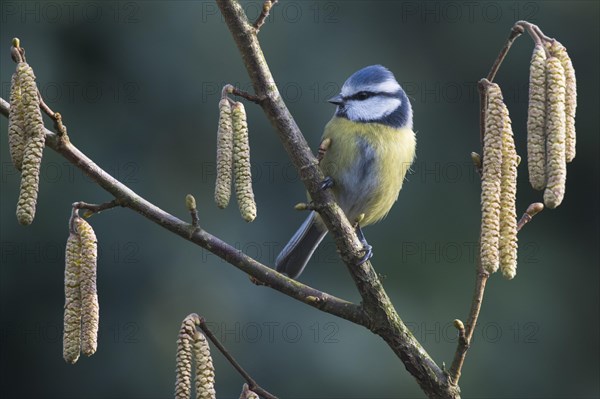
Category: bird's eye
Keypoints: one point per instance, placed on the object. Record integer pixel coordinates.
(363, 95)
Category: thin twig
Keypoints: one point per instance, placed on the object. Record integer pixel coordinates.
(251, 383)
(515, 32)
(44, 107)
(17, 54)
(195, 218)
(74, 216)
(535, 32)
(466, 335)
(96, 208)
(190, 203)
(58, 125)
(264, 14)
(230, 89)
(305, 206)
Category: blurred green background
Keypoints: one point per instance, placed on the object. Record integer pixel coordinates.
(138, 84)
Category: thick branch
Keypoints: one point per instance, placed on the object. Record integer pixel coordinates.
(128, 198)
(383, 319)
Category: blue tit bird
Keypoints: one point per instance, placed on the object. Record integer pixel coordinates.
(372, 146)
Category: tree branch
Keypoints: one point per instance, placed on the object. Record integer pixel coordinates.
(267, 276)
(382, 317)
(96, 208)
(264, 14)
(230, 89)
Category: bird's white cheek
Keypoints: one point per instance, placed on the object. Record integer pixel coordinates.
(372, 108)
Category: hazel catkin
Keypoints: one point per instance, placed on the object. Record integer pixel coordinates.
(81, 317)
(241, 163)
(556, 167)
(193, 347)
(16, 123)
(90, 317)
(560, 52)
(72, 314)
(224, 154)
(508, 196)
(536, 119)
(183, 370)
(34, 147)
(205, 372)
(495, 115)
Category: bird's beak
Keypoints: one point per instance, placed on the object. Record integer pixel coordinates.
(337, 100)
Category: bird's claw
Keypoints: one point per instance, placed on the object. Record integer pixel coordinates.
(368, 254)
(327, 183)
(366, 247)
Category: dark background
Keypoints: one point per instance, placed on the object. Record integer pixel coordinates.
(138, 83)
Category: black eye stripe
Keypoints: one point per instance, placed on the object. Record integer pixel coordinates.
(363, 95)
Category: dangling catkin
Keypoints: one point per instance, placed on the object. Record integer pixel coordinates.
(560, 52)
(205, 372)
(556, 167)
(536, 119)
(191, 343)
(32, 157)
(89, 295)
(495, 116)
(183, 381)
(16, 123)
(224, 154)
(72, 316)
(241, 163)
(508, 196)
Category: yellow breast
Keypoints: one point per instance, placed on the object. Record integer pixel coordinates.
(368, 163)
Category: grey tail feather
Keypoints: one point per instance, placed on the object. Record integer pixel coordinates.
(298, 251)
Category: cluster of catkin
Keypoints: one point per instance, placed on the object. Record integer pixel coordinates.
(233, 159)
(193, 347)
(82, 313)
(26, 138)
(551, 120)
(498, 188)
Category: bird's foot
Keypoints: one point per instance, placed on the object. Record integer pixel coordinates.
(366, 247)
(327, 183)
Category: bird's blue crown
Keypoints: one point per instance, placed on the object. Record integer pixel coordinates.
(372, 94)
